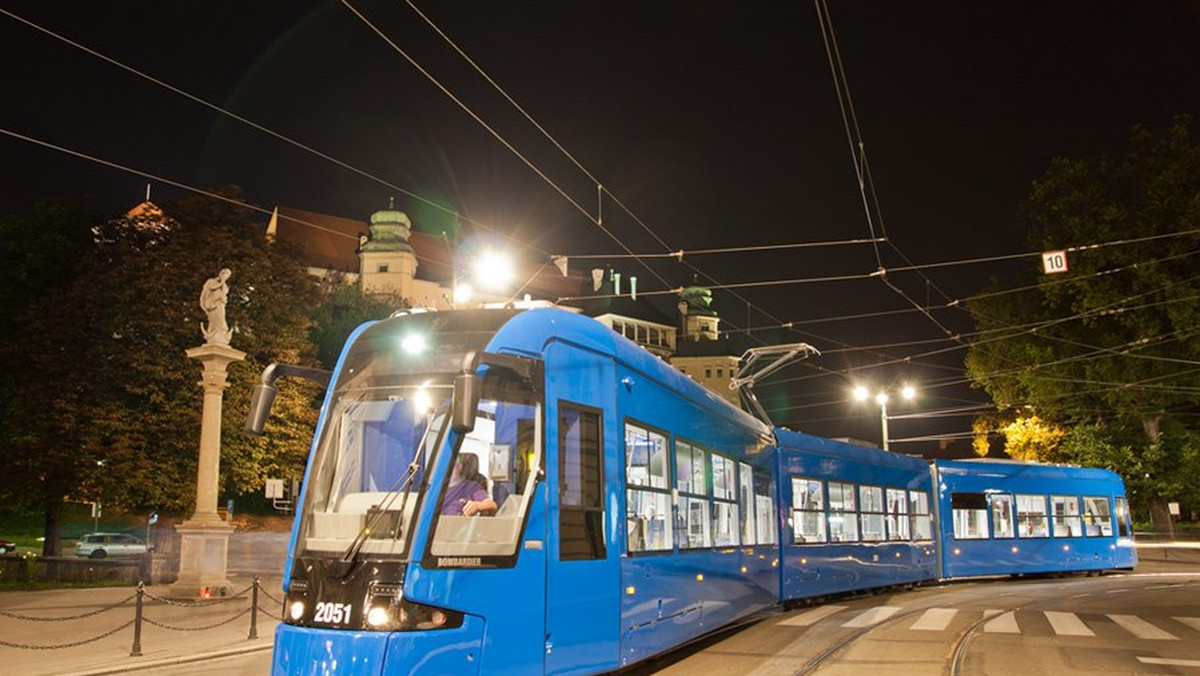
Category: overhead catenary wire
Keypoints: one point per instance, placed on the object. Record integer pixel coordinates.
(266, 130)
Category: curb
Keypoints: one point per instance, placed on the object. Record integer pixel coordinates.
(134, 665)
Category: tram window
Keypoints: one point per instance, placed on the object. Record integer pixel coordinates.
(870, 502)
(691, 470)
(746, 502)
(897, 514)
(581, 481)
(1002, 519)
(1122, 518)
(808, 510)
(764, 506)
(970, 515)
(922, 522)
(1097, 517)
(1031, 516)
(645, 458)
(648, 522)
(843, 521)
(725, 507)
(1065, 509)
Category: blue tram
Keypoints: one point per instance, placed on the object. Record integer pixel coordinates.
(519, 492)
(1007, 518)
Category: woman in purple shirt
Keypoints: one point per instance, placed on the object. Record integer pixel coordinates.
(467, 493)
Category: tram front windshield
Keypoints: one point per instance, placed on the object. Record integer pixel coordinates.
(384, 426)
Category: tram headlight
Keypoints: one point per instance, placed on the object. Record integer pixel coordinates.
(378, 617)
(296, 610)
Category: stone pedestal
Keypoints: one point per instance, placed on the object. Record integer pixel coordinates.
(204, 538)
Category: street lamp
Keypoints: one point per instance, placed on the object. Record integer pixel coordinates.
(861, 393)
(489, 269)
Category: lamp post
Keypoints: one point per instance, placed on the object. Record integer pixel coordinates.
(861, 393)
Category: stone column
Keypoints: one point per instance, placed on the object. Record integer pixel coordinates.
(204, 538)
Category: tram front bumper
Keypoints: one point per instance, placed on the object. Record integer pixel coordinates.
(305, 651)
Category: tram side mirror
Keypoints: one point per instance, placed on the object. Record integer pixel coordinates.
(466, 402)
(261, 401)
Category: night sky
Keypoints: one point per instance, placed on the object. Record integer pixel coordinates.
(716, 124)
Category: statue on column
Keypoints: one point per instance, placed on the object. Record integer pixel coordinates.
(213, 297)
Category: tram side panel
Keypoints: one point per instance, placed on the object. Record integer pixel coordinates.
(1012, 518)
(852, 517)
(700, 544)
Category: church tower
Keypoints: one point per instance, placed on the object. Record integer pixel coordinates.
(387, 263)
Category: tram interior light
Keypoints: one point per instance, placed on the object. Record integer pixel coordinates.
(422, 401)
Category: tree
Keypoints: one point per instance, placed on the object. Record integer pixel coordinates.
(346, 307)
(1111, 343)
(108, 405)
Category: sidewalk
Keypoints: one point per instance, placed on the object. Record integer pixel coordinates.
(104, 630)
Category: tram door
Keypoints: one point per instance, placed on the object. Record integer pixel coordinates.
(582, 579)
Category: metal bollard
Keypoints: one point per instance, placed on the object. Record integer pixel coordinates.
(254, 610)
(136, 650)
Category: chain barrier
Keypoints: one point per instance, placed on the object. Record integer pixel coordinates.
(163, 625)
(85, 641)
(64, 618)
(262, 590)
(140, 599)
(201, 603)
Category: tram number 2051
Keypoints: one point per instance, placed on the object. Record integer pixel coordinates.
(332, 613)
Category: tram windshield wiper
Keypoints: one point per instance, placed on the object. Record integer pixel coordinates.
(401, 488)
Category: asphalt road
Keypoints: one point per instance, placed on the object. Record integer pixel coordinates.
(1145, 623)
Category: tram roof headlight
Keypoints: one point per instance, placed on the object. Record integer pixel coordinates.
(414, 344)
(296, 610)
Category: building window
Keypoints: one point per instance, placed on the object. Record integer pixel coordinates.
(708, 373)
(383, 268)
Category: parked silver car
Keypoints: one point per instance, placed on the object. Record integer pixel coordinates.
(100, 545)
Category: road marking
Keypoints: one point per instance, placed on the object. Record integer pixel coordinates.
(872, 616)
(1169, 663)
(1141, 628)
(1005, 623)
(1193, 622)
(934, 619)
(1067, 624)
(811, 617)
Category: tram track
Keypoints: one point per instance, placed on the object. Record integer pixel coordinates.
(956, 664)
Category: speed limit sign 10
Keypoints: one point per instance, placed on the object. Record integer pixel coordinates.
(1054, 261)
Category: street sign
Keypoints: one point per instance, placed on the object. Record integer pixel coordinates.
(153, 518)
(1054, 261)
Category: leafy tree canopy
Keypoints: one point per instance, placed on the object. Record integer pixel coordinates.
(1112, 342)
(108, 406)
